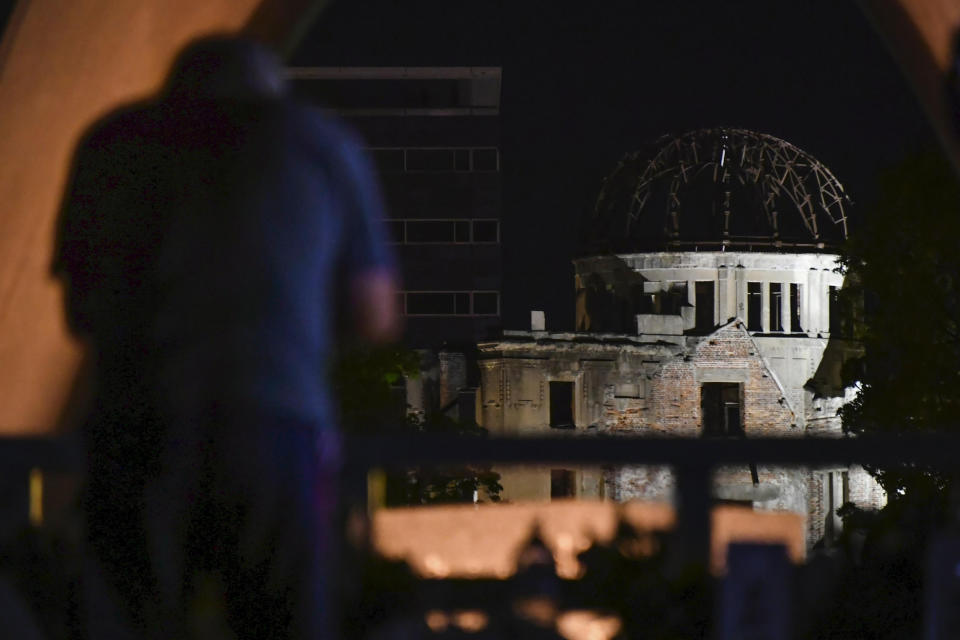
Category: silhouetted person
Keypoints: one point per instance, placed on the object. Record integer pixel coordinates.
(207, 242)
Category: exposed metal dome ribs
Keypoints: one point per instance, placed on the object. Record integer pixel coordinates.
(719, 188)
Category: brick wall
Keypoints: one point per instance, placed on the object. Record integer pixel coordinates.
(650, 483)
(815, 508)
(864, 491)
(730, 353)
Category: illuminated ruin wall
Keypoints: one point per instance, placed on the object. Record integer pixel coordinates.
(752, 364)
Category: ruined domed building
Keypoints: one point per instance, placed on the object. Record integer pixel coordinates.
(705, 307)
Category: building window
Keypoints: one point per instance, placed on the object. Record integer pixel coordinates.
(444, 231)
(561, 405)
(431, 160)
(754, 306)
(836, 323)
(837, 489)
(436, 159)
(704, 292)
(563, 483)
(388, 160)
(461, 160)
(795, 293)
(672, 300)
(485, 160)
(776, 306)
(486, 303)
(396, 231)
(449, 303)
(430, 231)
(721, 408)
(485, 231)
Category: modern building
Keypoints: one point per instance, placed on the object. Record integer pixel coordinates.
(706, 307)
(434, 134)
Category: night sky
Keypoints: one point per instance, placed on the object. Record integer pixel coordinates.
(586, 83)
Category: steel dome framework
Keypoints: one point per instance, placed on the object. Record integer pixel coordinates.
(783, 183)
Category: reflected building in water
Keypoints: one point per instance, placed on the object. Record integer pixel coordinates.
(706, 307)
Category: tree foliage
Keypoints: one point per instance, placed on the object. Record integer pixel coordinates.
(367, 381)
(904, 265)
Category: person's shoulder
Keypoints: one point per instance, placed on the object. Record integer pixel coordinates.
(120, 125)
(315, 127)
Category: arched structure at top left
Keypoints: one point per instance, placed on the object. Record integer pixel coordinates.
(62, 65)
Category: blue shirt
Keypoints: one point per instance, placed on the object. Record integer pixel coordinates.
(209, 243)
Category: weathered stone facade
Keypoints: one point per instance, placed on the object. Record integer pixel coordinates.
(724, 344)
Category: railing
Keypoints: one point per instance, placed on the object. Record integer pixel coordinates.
(740, 609)
(692, 460)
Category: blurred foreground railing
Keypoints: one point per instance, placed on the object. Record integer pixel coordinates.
(692, 460)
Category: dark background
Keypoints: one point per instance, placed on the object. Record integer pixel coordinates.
(587, 82)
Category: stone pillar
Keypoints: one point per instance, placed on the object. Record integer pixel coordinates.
(740, 294)
(718, 302)
(765, 308)
(814, 293)
(825, 301)
(785, 306)
(724, 310)
(538, 321)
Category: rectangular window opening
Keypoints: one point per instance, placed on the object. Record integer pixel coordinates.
(461, 303)
(449, 303)
(431, 160)
(836, 326)
(721, 405)
(486, 231)
(443, 231)
(563, 483)
(461, 160)
(485, 160)
(462, 231)
(429, 303)
(389, 160)
(754, 306)
(795, 293)
(673, 299)
(776, 306)
(486, 303)
(396, 231)
(704, 293)
(430, 231)
(561, 405)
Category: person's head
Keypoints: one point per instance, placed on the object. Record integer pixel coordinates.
(225, 66)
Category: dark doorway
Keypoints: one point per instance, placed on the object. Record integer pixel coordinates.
(561, 405)
(563, 483)
(721, 405)
(703, 292)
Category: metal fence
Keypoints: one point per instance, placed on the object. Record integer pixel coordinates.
(692, 460)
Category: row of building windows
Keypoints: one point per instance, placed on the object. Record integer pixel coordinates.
(721, 405)
(670, 300)
(449, 303)
(435, 159)
(444, 231)
(777, 292)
